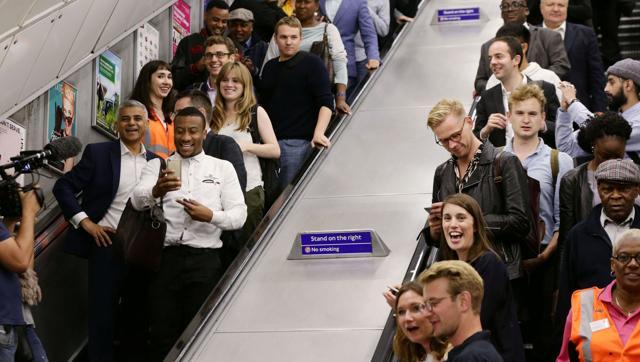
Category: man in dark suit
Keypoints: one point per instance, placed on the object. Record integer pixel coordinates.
(545, 47)
(586, 259)
(581, 44)
(579, 12)
(491, 120)
(104, 196)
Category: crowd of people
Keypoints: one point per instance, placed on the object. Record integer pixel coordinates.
(533, 216)
(209, 140)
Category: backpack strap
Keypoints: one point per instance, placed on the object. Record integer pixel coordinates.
(253, 126)
(497, 167)
(554, 166)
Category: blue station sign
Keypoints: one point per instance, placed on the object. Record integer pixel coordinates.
(456, 15)
(345, 242)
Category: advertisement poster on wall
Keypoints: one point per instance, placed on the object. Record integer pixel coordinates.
(61, 120)
(108, 71)
(14, 138)
(147, 49)
(181, 23)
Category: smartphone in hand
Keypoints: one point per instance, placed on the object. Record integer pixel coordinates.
(175, 166)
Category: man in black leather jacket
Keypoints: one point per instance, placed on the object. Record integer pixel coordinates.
(471, 171)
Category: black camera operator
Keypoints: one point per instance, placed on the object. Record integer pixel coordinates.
(18, 340)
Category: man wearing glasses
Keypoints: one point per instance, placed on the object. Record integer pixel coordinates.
(473, 169)
(453, 293)
(546, 47)
(188, 65)
(586, 259)
(219, 51)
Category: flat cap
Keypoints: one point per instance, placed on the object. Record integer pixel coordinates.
(620, 171)
(627, 69)
(241, 14)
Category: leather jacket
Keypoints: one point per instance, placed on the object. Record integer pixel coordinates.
(576, 201)
(505, 205)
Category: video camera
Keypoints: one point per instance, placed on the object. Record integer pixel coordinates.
(27, 163)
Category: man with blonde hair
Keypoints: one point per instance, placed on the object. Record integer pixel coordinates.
(470, 170)
(547, 166)
(453, 293)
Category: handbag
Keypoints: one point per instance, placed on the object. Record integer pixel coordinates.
(140, 234)
(321, 49)
(270, 167)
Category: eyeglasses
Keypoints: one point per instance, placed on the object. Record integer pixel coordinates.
(454, 137)
(433, 302)
(626, 258)
(218, 55)
(414, 309)
(512, 6)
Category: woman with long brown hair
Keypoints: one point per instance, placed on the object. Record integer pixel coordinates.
(465, 238)
(237, 115)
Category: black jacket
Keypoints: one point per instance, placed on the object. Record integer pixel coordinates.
(586, 259)
(189, 51)
(226, 148)
(491, 102)
(266, 15)
(576, 200)
(498, 311)
(505, 205)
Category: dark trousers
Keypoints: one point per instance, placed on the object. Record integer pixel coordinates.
(185, 279)
(606, 18)
(104, 273)
(118, 297)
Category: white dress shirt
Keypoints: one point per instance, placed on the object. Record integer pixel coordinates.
(562, 29)
(331, 7)
(131, 167)
(614, 229)
(207, 180)
(505, 102)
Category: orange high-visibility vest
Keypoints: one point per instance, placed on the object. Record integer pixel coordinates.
(595, 335)
(157, 139)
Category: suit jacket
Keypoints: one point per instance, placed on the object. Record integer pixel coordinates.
(545, 48)
(491, 102)
(586, 259)
(226, 148)
(97, 175)
(353, 15)
(579, 12)
(587, 70)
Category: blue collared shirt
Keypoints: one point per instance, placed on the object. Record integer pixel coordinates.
(538, 166)
(566, 137)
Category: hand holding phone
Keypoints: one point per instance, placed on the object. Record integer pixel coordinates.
(175, 166)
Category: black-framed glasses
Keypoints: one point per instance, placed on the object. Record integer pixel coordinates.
(218, 55)
(433, 302)
(454, 137)
(414, 309)
(625, 258)
(515, 5)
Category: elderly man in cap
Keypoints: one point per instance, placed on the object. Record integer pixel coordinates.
(253, 49)
(586, 258)
(622, 90)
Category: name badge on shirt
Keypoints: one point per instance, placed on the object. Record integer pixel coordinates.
(599, 325)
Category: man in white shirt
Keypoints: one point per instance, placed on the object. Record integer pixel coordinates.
(198, 204)
(529, 69)
(505, 54)
(104, 196)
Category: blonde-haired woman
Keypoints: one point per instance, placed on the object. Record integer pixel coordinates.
(236, 114)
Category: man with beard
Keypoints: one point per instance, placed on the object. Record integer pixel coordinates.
(622, 90)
